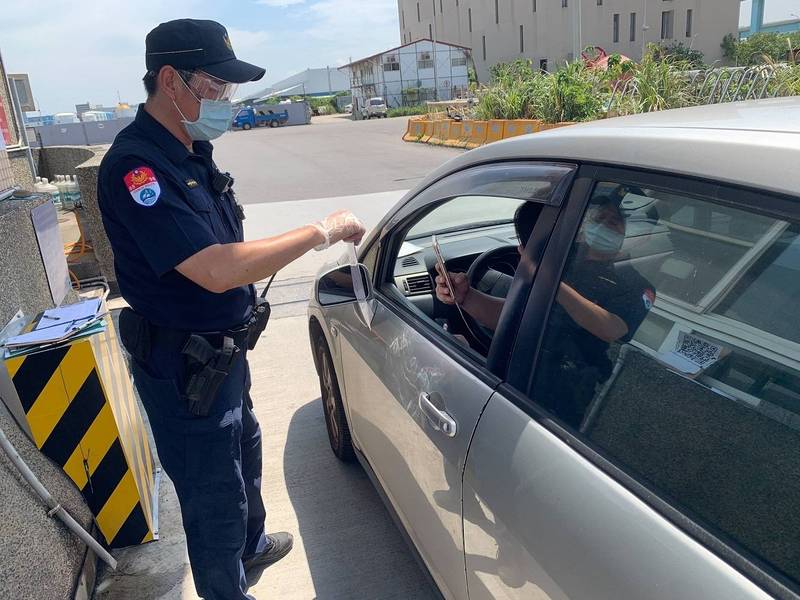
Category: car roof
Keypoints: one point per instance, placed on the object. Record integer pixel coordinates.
(754, 143)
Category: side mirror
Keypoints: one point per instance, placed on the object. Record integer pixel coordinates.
(338, 287)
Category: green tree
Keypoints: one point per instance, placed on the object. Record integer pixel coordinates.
(761, 47)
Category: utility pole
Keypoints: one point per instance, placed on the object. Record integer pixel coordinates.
(645, 27)
(435, 68)
(577, 29)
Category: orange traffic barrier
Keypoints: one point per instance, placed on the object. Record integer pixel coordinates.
(521, 127)
(478, 134)
(440, 130)
(454, 134)
(426, 135)
(546, 126)
(466, 133)
(495, 131)
(415, 131)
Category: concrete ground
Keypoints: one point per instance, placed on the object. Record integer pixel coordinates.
(346, 546)
(333, 156)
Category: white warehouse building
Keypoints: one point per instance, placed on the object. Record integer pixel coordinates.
(411, 74)
(550, 32)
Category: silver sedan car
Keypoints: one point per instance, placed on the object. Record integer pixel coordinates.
(602, 398)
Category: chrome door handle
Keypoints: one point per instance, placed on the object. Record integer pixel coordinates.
(334, 331)
(438, 418)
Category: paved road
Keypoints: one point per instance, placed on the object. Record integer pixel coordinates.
(333, 156)
(347, 547)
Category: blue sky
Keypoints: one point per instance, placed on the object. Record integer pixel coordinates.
(90, 50)
(87, 51)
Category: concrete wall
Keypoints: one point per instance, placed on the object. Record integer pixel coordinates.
(92, 220)
(80, 134)
(21, 168)
(549, 33)
(39, 557)
(63, 160)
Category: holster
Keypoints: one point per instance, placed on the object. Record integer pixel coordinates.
(207, 364)
(207, 368)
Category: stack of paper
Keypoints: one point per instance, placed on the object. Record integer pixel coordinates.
(59, 324)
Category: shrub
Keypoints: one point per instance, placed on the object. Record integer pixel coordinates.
(677, 51)
(512, 94)
(328, 102)
(408, 111)
(573, 93)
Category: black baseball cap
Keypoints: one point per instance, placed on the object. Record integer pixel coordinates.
(189, 44)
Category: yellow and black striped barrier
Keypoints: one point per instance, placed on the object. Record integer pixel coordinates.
(81, 412)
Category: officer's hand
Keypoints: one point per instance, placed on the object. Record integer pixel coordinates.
(340, 226)
(460, 287)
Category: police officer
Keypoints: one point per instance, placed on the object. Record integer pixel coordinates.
(185, 270)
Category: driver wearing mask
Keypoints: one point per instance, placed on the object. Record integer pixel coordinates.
(598, 303)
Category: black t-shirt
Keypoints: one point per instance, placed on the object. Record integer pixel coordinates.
(620, 290)
(574, 361)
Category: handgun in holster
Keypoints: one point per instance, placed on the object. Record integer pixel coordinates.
(207, 369)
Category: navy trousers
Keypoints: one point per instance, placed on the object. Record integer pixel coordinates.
(215, 464)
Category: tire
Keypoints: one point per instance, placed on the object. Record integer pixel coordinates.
(273, 124)
(332, 405)
(246, 126)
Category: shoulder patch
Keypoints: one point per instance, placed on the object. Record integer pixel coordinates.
(648, 297)
(143, 186)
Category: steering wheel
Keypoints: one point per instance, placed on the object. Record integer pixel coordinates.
(491, 273)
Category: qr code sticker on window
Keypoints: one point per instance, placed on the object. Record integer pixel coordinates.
(699, 351)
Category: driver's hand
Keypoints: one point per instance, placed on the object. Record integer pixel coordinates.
(460, 287)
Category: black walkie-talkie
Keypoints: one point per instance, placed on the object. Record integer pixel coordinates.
(260, 317)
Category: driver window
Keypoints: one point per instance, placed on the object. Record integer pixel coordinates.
(480, 238)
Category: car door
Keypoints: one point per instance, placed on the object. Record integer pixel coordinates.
(672, 469)
(413, 392)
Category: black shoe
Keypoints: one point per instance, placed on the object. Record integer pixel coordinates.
(254, 566)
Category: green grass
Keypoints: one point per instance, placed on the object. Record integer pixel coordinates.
(408, 111)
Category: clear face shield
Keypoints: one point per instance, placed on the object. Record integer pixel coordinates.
(208, 87)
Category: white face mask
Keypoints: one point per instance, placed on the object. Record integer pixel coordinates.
(214, 118)
(602, 238)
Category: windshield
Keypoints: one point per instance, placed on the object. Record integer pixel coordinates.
(376, 102)
(468, 213)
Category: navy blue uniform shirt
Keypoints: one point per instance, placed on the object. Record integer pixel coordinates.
(159, 208)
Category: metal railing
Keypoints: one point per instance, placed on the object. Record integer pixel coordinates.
(715, 86)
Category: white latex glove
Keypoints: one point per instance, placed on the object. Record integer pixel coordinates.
(340, 226)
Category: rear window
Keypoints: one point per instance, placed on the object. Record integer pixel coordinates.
(696, 390)
(376, 102)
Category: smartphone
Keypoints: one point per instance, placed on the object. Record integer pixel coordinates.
(442, 267)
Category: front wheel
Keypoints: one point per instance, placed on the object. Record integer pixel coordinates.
(332, 405)
(246, 126)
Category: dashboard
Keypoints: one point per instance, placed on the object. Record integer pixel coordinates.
(415, 267)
